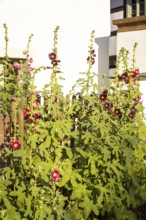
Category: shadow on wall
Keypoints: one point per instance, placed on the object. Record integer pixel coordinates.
(103, 57)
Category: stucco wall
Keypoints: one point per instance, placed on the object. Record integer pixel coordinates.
(127, 40)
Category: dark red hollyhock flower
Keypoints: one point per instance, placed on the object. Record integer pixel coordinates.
(117, 112)
(15, 145)
(52, 56)
(133, 110)
(134, 73)
(107, 106)
(102, 97)
(29, 120)
(55, 175)
(124, 76)
(91, 60)
(26, 112)
(132, 115)
(54, 62)
(36, 115)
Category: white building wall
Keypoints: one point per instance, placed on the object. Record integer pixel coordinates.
(128, 39)
(112, 45)
(114, 16)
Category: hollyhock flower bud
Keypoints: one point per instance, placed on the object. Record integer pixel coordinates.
(17, 66)
(91, 60)
(105, 91)
(24, 52)
(55, 175)
(31, 60)
(15, 145)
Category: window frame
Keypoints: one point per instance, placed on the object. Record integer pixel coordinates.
(128, 8)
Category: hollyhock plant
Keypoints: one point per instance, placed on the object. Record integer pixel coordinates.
(17, 66)
(55, 175)
(15, 145)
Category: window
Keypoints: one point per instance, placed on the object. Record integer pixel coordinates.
(134, 8)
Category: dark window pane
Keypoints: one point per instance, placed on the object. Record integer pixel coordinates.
(133, 10)
(141, 6)
(133, 2)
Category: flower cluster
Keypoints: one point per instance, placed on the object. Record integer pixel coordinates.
(27, 114)
(91, 59)
(103, 98)
(128, 75)
(53, 57)
(107, 105)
